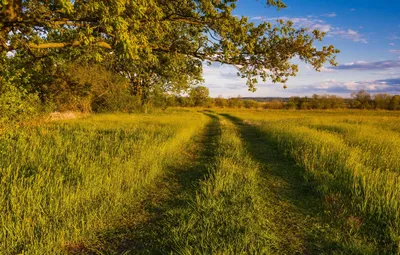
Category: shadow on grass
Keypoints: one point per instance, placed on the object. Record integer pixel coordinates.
(148, 230)
(298, 209)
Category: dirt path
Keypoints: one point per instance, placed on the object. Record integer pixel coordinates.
(294, 208)
(163, 203)
(298, 210)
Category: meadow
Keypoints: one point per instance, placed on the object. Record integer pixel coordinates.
(203, 181)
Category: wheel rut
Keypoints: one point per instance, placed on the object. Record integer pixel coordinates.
(162, 203)
(296, 208)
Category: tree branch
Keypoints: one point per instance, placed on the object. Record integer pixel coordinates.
(63, 45)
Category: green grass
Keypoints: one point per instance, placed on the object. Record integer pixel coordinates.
(353, 166)
(203, 182)
(64, 182)
(228, 214)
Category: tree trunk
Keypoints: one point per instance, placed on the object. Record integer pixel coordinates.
(141, 88)
(136, 86)
(145, 92)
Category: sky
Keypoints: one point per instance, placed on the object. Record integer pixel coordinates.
(366, 32)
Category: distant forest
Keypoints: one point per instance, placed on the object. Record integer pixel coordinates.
(358, 100)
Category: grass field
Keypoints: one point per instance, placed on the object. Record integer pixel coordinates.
(214, 181)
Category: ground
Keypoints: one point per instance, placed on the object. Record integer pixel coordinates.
(203, 182)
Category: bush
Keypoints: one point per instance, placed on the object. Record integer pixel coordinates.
(220, 102)
(199, 95)
(235, 102)
(117, 102)
(250, 104)
(94, 88)
(275, 104)
(16, 104)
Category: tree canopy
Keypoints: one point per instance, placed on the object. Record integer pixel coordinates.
(153, 40)
(199, 95)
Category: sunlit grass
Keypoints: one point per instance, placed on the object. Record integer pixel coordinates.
(352, 159)
(63, 182)
(228, 215)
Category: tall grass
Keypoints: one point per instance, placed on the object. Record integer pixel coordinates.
(63, 183)
(353, 165)
(228, 214)
(380, 147)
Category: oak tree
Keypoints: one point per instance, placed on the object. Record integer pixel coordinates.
(159, 41)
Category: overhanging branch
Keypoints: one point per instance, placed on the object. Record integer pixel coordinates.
(63, 45)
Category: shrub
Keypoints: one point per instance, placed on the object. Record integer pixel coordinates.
(16, 104)
(250, 104)
(220, 102)
(275, 104)
(199, 95)
(235, 102)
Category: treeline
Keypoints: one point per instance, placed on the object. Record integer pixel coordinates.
(220, 102)
(358, 100)
(26, 93)
(364, 100)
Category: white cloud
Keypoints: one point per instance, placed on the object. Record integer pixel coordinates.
(329, 15)
(224, 77)
(314, 23)
(391, 85)
(349, 34)
(321, 27)
(352, 9)
(392, 44)
(311, 23)
(397, 51)
(365, 66)
(327, 70)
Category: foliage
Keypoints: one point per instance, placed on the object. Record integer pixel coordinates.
(274, 104)
(316, 102)
(220, 102)
(361, 99)
(235, 102)
(16, 104)
(68, 85)
(395, 103)
(106, 91)
(327, 102)
(199, 95)
(154, 35)
(382, 101)
(250, 104)
(158, 46)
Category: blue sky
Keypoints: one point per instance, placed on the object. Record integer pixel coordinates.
(366, 32)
